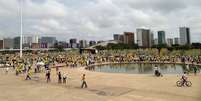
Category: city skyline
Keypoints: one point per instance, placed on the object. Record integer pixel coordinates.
(99, 20)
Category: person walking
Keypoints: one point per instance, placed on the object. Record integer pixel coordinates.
(48, 76)
(84, 83)
(28, 77)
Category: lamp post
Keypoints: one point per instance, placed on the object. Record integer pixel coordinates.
(21, 26)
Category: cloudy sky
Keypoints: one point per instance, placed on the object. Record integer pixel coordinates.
(99, 19)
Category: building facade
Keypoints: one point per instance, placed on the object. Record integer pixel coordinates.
(176, 41)
(8, 43)
(50, 41)
(143, 38)
(184, 36)
(129, 38)
(170, 42)
(161, 37)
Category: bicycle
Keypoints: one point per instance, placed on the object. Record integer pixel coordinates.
(181, 83)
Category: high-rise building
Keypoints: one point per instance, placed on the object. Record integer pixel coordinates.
(155, 41)
(16, 42)
(50, 41)
(92, 43)
(161, 37)
(143, 38)
(128, 38)
(170, 42)
(118, 37)
(184, 35)
(8, 43)
(35, 39)
(83, 43)
(73, 43)
(151, 39)
(1, 44)
(27, 41)
(176, 41)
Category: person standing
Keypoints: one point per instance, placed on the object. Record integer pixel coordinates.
(195, 70)
(84, 83)
(48, 76)
(64, 78)
(59, 78)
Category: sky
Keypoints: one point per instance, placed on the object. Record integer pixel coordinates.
(99, 19)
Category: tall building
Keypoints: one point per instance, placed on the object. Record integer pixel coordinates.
(143, 38)
(151, 39)
(83, 43)
(176, 41)
(161, 37)
(92, 43)
(1, 44)
(73, 43)
(50, 41)
(8, 43)
(184, 35)
(27, 41)
(35, 39)
(119, 38)
(170, 42)
(155, 41)
(16, 42)
(129, 38)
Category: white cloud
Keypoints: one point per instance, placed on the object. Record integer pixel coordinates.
(99, 19)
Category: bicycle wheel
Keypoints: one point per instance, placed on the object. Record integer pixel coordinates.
(188, 83)
(179, 83)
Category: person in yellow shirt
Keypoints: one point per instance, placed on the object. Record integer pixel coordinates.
(28, 77)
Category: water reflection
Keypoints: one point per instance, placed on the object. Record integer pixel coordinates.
(142, 68)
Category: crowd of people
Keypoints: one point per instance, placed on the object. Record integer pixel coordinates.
(44, 61)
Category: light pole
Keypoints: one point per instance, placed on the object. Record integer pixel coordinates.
(21, 26)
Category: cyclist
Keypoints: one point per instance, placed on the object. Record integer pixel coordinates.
(184, 78)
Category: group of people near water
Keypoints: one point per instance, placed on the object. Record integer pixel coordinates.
(36, 61)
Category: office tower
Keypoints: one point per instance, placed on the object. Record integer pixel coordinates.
(35, 39)
(161, 37)
(83, 43)
(73, 43)
(50, 41)
(119, 38)
(92, 43)
(151, 39)
(155, 41)
(27, 41)
(128, 38)
(143, 38)
(8, 43)
(184, 35)
(176, 41)
(1, 44)
(169, 42)
(16, 42)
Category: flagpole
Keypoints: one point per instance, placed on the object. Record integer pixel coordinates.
(21, 26)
